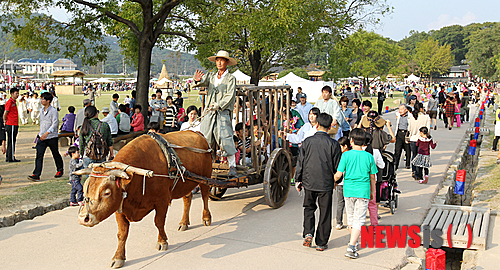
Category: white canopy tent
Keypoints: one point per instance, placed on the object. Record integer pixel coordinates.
(241, 78)
(102, 80)
(291, 77)
(163, 81)
(311, 88)
(413, 78)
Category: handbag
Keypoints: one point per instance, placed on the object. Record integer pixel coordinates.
(407, 137)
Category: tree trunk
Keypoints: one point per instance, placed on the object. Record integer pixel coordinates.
(430, 79)
(143, 72)
(256, 64)
(366, 87)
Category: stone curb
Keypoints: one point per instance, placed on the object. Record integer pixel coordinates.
(32, 211)
(415, 258)
(444, 194)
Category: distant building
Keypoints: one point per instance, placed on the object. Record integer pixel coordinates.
(459, 71)
(44, 66)
(273, 74)
(316, 75)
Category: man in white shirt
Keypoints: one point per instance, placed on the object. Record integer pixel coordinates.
(111, 120)
(35, 106)
(22, 108)
(328, 105)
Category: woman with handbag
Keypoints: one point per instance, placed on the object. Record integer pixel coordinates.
(419, 119)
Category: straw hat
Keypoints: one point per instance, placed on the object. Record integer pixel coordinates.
(223, 54)
(374, 117)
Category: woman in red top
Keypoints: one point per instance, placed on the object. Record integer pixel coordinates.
(137, 119)
(423, 158)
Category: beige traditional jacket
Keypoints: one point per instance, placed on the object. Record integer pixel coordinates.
(224, 94)
(217, 125)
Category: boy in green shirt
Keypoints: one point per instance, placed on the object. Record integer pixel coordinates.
(359, 170)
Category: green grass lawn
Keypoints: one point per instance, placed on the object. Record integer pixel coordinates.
(47, 191)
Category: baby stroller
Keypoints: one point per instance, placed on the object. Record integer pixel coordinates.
(388, 188)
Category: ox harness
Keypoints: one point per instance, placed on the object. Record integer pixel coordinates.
(175, 171)
(174, 163)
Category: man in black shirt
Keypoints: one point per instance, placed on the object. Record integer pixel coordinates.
(317, 164)
(179, 101)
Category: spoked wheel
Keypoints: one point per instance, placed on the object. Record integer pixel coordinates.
(396, 198)
(392, 205)
(277, 178)
(216, 193)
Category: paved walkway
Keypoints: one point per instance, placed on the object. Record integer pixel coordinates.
(245, 233)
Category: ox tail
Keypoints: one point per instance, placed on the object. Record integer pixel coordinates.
(213, 182)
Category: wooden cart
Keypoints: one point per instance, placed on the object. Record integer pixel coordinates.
(270, 152)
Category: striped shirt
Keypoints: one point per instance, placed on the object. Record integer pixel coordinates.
(170, 115)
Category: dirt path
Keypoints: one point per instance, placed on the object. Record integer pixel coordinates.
(15, 174)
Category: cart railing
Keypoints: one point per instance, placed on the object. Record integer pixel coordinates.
(265, 105)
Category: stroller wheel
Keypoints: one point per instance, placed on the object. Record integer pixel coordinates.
(393, 207)
(396, 197)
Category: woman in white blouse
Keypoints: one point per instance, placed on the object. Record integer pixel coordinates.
(307, 130)
(192, 123)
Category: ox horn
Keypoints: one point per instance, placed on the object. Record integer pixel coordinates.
(119, 174)
(83, 171)
(123, 167)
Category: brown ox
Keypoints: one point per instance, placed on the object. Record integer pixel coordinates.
(105, 186)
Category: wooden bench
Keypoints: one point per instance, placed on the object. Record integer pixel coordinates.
(67, 139)
(441, 216)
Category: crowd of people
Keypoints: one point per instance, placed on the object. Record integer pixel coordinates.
(338, 143)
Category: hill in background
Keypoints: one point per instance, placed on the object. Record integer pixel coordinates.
(176, 62)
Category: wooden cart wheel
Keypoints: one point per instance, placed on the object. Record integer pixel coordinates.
(216, 193)
(277, 178)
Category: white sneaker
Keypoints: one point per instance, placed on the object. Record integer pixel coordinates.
(340, 227)
(351, 253)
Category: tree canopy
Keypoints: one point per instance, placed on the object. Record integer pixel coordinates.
(433, 59)
(484, 52)
(266, 34)
(139, 26)
(365, 54)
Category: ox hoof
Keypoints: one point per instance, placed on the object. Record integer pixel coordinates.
(207, 222)
(182, 227)
(117, 263)
(161, 246)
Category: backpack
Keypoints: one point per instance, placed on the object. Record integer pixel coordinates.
(96, 148)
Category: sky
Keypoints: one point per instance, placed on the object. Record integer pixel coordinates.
(419, 15)
(425, 15)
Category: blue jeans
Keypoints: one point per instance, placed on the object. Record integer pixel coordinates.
(76, 191)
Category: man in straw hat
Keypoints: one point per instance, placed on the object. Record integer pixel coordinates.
(221, 94)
